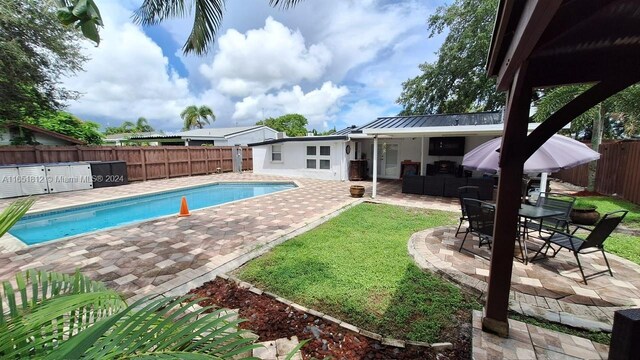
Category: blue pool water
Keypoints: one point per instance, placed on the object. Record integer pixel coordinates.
(39, 228)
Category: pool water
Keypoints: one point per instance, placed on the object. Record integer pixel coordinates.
(57, 224)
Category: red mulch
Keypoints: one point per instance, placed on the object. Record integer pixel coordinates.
(586, 193)
(271, 319)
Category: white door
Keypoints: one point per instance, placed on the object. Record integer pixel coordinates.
(388, 160)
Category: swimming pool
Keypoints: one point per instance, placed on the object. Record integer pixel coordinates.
(57, 224)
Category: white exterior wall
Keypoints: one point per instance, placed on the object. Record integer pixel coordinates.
(409, 149)
(43, 139)
(5, 138)
(294, 160)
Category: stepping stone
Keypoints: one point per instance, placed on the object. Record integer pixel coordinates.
(278, 349)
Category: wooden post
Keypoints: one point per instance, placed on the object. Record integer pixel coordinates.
(206, 161)
(114, 156)
(38, 154)
(79, 152)
(189, 161)
(508, 202)
(166, 162)
(144, 165)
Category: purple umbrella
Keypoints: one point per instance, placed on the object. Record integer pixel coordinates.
(559, 152)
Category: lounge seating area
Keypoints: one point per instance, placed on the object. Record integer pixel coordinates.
(445, 180)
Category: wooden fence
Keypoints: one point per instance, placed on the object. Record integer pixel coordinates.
(618, 171)
(143, 162)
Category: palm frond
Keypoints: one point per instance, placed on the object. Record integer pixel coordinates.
(13, 213)
(284, 4)
(152, 12)
(207, 21)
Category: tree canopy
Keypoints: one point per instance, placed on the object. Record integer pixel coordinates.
(291, 124)
(457, 81)
(196, 117)
(141, 125)
(62, 123)
(35, 52)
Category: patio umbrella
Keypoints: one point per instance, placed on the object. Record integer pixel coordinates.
(559, 152)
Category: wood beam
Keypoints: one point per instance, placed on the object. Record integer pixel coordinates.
(508, 202)
(535, 18)
(583, 102)
(505, 9)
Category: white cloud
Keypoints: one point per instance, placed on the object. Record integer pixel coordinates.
(318, 106)
(128, 76)
(264, 59)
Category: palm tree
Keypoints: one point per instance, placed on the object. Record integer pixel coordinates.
(196, 117)
(142, 125)
(128, 126)
(208, 17)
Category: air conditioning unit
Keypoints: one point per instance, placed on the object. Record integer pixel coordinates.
(9, 182)
(281, 135)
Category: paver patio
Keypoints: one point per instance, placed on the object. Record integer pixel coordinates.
(551, 288)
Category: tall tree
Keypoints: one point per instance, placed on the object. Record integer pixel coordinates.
(207, 20)
(291, 124)
(196, 117)
(142, 125)
(35, 52)
(457, 81)
(616, 117)
(63, 123)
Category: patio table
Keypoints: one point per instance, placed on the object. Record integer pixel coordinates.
(531, 212)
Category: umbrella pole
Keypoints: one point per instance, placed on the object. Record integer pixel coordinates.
(543, 182)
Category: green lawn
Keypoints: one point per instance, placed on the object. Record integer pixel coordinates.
(356, 267)
(607, 204)
(626, 246)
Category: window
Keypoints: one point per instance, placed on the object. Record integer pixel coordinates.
(311, 163)
(311, 151)
(319, 158)
(276, 153)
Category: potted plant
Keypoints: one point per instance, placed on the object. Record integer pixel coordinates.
(584, 213)
(356, 191)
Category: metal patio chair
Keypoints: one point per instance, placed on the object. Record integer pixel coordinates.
(592, 243)
(553, 201)
(481, 217)
(468, 192)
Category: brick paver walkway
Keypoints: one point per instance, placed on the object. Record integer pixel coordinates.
(528, 342)
(551, 288)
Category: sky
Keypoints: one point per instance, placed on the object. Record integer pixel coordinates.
(337, 62)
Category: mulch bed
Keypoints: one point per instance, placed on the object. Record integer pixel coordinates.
(271, 319)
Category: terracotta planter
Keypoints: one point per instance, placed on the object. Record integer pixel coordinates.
(356, 191)
(584, 216)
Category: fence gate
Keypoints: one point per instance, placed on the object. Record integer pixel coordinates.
(237, 159)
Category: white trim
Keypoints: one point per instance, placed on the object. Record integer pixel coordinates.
(375, 167)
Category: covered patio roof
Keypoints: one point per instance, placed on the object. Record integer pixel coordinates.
(543, 43)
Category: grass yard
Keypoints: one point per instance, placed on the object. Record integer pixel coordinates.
(624, 245)
(607, 204)
(356, 267)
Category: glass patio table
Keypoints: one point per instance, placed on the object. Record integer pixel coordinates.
(530, 212)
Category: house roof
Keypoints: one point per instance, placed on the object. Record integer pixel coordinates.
(220, 133)
(125, 136)
(302, 139)
(53, 134)
(421, 121)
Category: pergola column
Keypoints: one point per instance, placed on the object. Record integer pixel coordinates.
(375, 167)
(508, 202)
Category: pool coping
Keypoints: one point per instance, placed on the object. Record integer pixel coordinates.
(17, 244)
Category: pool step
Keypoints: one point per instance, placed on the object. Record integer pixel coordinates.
(278, 349)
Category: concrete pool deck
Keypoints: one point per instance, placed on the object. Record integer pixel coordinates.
(172, 255)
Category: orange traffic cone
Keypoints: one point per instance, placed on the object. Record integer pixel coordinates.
(184, 209)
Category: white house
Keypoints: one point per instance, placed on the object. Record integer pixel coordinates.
(400, 145)
(38, 135)
(242, 135)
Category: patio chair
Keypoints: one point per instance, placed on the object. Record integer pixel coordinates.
(481, 217)
(469, 192)
(592, 243)
(552, 201)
